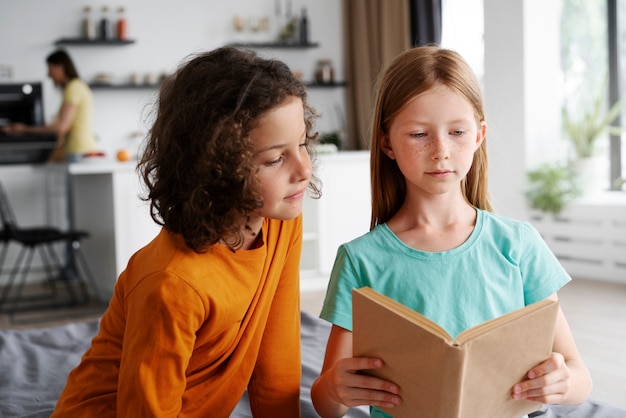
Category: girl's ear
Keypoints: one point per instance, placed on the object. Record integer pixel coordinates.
(385, 146)
(481, 134)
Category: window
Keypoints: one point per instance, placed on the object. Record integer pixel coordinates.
(590, 34)
(463, 29)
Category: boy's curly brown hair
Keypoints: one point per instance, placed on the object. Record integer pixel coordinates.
(197, 164)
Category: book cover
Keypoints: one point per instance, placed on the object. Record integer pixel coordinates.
(441, 377)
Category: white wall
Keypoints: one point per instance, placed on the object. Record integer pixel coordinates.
(520, 70)
(522, 94)
(165, 33)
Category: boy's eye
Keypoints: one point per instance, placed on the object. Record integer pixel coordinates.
(305, 143)
(274, 161)
(418, 134)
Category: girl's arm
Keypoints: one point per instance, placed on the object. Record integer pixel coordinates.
(563, 378)
(340, 385)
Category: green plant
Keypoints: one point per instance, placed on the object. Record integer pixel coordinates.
(330, 138)
(551, 187)
(618, 183)
(585, 131)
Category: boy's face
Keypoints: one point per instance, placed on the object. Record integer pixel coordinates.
(283, 161)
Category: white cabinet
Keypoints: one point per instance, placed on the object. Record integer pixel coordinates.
(340, 215)
(107, 204)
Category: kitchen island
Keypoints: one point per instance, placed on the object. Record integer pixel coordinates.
(100, 197)
(105, 200)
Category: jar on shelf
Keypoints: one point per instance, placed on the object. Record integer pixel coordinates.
(88, 24)
(324, 72)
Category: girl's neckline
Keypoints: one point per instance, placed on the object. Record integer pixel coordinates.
(460, 248)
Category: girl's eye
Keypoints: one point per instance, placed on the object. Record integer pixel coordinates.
(457, 133)
(418, 134)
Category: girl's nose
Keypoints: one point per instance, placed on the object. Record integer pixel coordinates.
(439, 148)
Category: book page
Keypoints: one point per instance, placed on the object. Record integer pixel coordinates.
(499, 358)
(473, 332)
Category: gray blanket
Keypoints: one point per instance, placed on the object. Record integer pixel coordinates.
(35, 363)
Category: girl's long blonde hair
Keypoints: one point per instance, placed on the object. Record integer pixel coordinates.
(411, 73)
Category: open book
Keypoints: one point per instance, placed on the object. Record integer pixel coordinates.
(440, 377)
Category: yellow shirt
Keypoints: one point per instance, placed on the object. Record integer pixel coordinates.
(80, 138)
(185, 333)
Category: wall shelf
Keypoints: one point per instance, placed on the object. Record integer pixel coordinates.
(127, 86)
(130, 86)
(334, 84)
(93, 42)
(278, 45)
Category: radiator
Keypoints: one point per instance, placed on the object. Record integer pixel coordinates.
(588, 239)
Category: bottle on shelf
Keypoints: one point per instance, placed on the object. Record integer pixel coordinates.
(88, 24)
(105, 30)
(289, 32)
(121, 26)
(304, 27)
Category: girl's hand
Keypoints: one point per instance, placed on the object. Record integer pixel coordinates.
(548, 382)
(351, 388)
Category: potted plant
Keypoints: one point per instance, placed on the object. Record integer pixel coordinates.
(585, 131)
(551, 187)
(591, 170)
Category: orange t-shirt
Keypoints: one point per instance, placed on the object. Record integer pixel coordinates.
(185, 333)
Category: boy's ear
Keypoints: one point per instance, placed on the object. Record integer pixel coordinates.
(385, 147)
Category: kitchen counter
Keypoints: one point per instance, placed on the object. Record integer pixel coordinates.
(100, 167)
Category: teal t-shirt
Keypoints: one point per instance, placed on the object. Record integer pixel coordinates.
(504, 265)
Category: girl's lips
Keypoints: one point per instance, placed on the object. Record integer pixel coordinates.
(441, 173)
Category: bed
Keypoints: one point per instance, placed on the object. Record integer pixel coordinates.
(34, 364)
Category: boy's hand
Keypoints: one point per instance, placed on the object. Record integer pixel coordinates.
(351, 388)
(548, 382)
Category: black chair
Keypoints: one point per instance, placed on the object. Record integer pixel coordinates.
(43, 239)
(4, 240)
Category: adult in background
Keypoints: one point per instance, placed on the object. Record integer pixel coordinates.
(73, 123)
